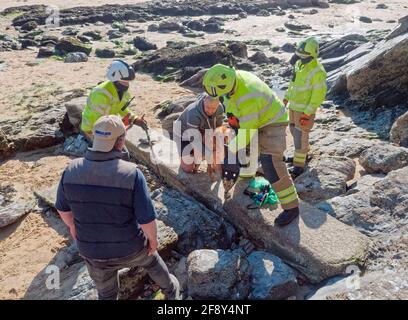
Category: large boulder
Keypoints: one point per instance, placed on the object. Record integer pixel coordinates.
(74, 111)
(196, 226)
(383, 158)
(399, 131)
(12, 212)
(399, 30)
(325, 178)
(270, 277)
(380, 285)
(217, 274)
(378, 77)
(198, 56)
(69, 44)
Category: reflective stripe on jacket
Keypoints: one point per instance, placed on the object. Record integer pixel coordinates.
(308, 89)
(103, 100)
(255, 105)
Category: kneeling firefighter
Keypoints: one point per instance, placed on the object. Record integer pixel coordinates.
(256, 106)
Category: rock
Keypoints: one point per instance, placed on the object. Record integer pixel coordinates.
(114, 34)
(75, 146)
(355, 208)
(280, 29)
(74, 111)
(215, 274)
(325, 178)
(196, 25)
(380, 285)
(263, 13)
(14, 211)
(366, 19)
(94, 35)
(399, 30)
(364, 76)
(84, 287)
(259, 58)
(45, 52)
(381, 6)
(25, 43)
(243, 15)
(69, 44)
(169, 107)
(29, 26)
(399, 131)
(270, 277)
(212, 28)
(48, 40)
(296, 26)
(383, 158)
(70, 31)
(317, 245)
(289, 47)
(74, 57)
(238, 49)
(6, 147)
(143, 44)
(169, 25)
(105, 53)
(153, 27)
(84, 39)
(198, 56)
(196, 81)
(196, 226)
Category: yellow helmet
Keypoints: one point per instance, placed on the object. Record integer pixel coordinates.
(308, 48)
(219, 80)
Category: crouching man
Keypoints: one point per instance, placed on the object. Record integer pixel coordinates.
(105, 202)
(195, 131)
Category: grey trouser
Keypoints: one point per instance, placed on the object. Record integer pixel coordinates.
(105, 273)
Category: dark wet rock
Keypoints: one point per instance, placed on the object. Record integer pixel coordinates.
(212, 27)
(143, 44)
(69, 44)
(29, 26)
(259, 58)
(399, 131)
(263, 13)
(74, 57)
(238, 49)
(296, 26)
(384, 158)
(25, 43)
(169, 25)
(289, 47)
(153, 27)
(94, 35)
(45, 52)
(366, 19)
(198, 56)
(114, 34)
(84, 39)
(105, 53)
(381, 6)
(49, 40)
(243, 15)
(72, 32)
(196, 25)
(196, 81)
(195, 225)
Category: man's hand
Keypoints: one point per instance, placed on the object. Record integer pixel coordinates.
(285, 102)
(304, 119)
(141, 122)
(153, 245)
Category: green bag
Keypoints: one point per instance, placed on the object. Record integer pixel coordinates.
(261, 192)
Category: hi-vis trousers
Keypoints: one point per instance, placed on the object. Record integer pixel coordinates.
(300, 136)
(272, 145)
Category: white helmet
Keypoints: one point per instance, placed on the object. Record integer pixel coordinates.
(120, 70)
